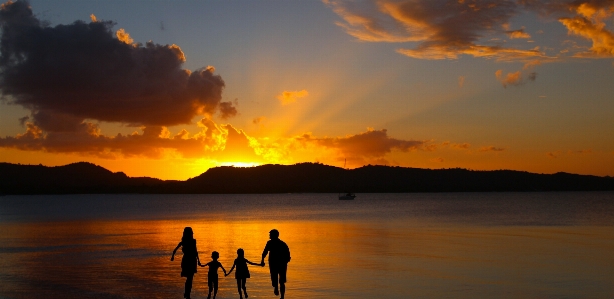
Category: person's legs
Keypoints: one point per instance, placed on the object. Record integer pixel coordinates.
(239, 287)
(188, 286)
(282, 279)
(210, 285)
(243, 280)
(214, 288)
(274, 278)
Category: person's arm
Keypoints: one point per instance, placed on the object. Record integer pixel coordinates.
(251, 263)
(207, 264)
(174, 251)
(233, 266)
(223, 269)
(196, 248)
(289, 257)
(264, 253)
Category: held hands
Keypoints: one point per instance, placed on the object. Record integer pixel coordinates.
(172, 258)
(261, 264)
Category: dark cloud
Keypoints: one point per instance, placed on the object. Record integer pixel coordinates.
(24, 120)
(371, 144)
(69, 73)
(222, 142)
(227, 110)
(446, 29)
(258, 120)
(87, 139)
(491, 149)
(443, 29)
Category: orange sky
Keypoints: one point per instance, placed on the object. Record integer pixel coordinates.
(432, 84)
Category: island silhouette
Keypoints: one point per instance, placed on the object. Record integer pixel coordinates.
(87, 178)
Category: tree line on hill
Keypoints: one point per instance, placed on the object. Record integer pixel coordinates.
(87, 178)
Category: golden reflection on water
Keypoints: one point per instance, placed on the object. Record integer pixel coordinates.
(330, 259)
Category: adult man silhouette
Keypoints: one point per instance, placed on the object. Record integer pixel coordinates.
(279, 257)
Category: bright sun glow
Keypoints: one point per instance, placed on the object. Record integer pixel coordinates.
(239, 164)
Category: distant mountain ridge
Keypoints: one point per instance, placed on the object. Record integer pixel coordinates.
(82, 177)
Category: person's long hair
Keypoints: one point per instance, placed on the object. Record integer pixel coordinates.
(188, 235)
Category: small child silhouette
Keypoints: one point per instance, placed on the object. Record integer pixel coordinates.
(214, 265)
(242, 272)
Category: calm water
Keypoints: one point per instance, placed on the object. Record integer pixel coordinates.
(465, 245)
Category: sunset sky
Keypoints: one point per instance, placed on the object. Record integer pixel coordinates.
(168, 89)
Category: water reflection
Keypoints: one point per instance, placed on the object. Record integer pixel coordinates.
(332, 257)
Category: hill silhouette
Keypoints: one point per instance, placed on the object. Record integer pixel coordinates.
(299, 178)
(73, 178)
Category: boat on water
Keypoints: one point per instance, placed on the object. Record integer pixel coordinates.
(347, 196)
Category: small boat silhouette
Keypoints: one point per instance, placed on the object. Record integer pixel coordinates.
(347, 196)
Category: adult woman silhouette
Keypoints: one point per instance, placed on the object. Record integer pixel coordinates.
(189, 260)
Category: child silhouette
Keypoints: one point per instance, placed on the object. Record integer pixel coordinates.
(212, 276)
(242, 272)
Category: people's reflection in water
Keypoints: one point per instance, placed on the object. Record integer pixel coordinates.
(189, 260)
(279, 257)
(212, 277)
(242, 272)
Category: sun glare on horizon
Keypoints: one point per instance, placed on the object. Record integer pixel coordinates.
(240, 164)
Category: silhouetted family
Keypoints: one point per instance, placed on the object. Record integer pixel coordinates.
(279, 257)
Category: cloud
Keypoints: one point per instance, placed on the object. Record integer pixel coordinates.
(369, 144)
(590, 25)
(553, 155)
(442, 51)
(369, 147)
(437, 160)
(258, 120)
(227, 110)
(580, 152)
(448, 29)
(152, 142)
(514, 79)
(69, 73)
(520, 33)
(430, 147)
(288, 97)
(491, 149)
(509, 79)
(123, 36)
(221, 142)
(556, 154)
(531, 64)
(363, 24)
(443, 29)
(461, 81)
(461, 146)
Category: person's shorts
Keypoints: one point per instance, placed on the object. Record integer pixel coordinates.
(278, 273)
